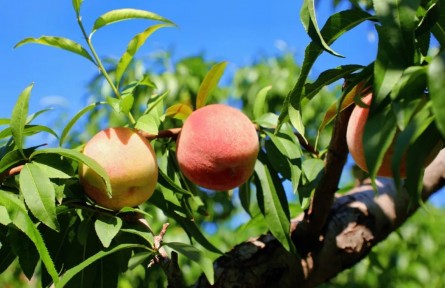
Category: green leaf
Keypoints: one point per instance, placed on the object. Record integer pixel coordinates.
(209, 83)
(411, 133)
(58, 42)
(378, 135)
(4, 121)
(194, 254)
(70, 273)
(25, 250)
(328, 77)
(309, 20)
(167, 182)
(18, 117)
(20, 218)
(76, 5)
(417, 155)
(179, 111)
(336, 25)
(132, 47)
(75, 119)
(276, 213)
(126, 14)
(35, 115)
(80, 157)
(245, 195)
(147, 123)
(55, 166)
(260, 101)
(436, 84)
(122, 104)
(34, 129)
(107, 228)
(39, 195)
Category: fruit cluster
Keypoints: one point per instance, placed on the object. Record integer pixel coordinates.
(216, 149)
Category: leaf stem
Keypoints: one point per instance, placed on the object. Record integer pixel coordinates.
(99, 65)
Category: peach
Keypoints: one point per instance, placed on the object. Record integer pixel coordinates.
(354, 138)
(217, 147)
(129, 160)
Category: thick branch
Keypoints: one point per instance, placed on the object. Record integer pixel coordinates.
(315, 219)
(356, 223)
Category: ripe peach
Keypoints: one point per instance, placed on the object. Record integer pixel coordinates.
(130, 162)
(217, 147)
(354, 138)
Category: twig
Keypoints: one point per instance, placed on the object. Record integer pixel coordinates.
(315, 218)
(168, 133)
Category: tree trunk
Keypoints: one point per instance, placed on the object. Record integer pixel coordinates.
(357, 221)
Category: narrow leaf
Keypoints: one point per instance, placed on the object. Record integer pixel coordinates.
(194, 254)
(76, 5)
(80, 157)
(132, 48)
(328, 77)
(260, 102)
(337, 24)
(436, 84)
(58, 42)
(22, 221)
(70, 273)
(275, 212)
(209, 83)
(75, 119)
(179, 111)
(309, 20)
(18, 117)
(126, 14)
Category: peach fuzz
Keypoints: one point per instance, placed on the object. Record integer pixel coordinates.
(129, 160)
(217, 147)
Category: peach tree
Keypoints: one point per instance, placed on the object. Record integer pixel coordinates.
(300, 230)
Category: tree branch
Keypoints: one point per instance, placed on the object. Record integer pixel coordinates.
(315, 218)
(357, 221)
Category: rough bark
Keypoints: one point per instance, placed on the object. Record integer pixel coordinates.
(357, 221)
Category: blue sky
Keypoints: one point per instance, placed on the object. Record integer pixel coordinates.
(231, 30)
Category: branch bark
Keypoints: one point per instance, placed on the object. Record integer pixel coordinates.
(357, 221)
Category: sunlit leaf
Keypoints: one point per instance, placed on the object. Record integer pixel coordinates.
(39, 195)
(328, 77)
(132, 48)
(76, 117)
(260, 102)
(18, 117)
(179, 111)
(107, 228)
(76, 5)
(309, 20)
(336, 25)
(194, 254)
(19, 216)
(58, 42)
(80, 157)
(209, 83)
(126, 14)
(276, 212)
(147, 123)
